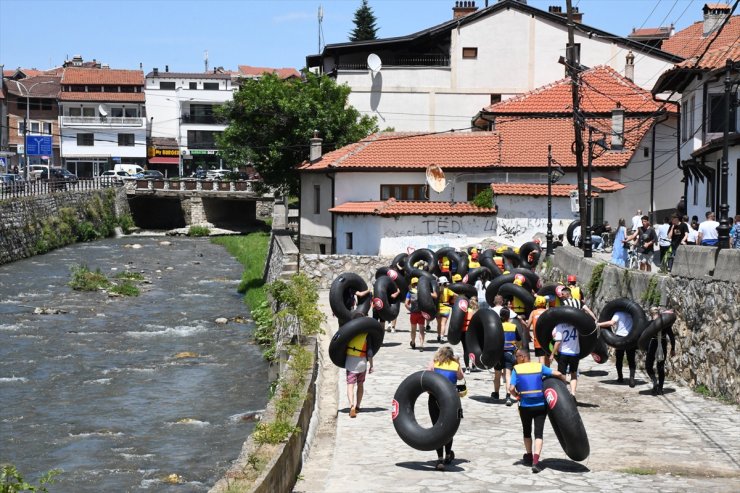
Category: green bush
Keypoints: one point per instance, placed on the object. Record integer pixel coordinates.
(484, 198)
(11, 480)
(126, 222)
(198, 231)
(131, 276)
(125, 288)
(298, 299)
(83, 279)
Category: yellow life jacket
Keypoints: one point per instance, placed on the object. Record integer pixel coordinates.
(575, 291)
(358, 345)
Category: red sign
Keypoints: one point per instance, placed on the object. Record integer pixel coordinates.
(377, 304)
(463, 304)
(394, 409)
(551, 396)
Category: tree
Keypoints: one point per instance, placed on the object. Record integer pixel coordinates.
(270, 122)
(365, 27)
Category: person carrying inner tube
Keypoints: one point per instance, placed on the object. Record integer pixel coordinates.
(472, 308)
(473, 258)
(415, 316)
(575, 290)
(656, 352)
(448, 365)
(540, 305)
(444, 266)
(445, 299)
(623, 323)
(566, 299)
(516, 303)
(526, 386)
(566, 350)
(358, 356)
(512, 341)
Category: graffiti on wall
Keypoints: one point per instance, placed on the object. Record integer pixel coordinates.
(442, 225)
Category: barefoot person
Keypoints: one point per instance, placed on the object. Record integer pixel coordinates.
(526, 385)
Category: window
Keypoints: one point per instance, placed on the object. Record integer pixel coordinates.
(645, 152)
(210, 86)
(85, 139)
(33, 127)
(403, 192)
(126, 140)
(317, 199)
(47, 128)
(193, 85)
(202, 139)
(322, 249)
(710, 188)
(695, 198)
(348, 241)
(598, 211)
(75, 112)
(127, 89)
(89, 112)
(21, 127)
(685, 123)
(692, 108)
(116, 112)
(167, 85)
(476, 188)
(35, 104)
(94, 88)
(716, 117)
(470, 53)
(130, 112)
(495, 98)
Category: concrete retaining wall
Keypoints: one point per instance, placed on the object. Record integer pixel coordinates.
(323, 269)
(708, 309)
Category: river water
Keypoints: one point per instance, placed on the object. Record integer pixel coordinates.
(102, 391)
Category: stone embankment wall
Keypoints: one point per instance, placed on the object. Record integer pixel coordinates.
(707, 308)
(24, 219)
(323, 269)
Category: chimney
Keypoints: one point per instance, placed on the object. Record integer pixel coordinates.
(155, 71)
(315, 152)
(558, 10)
(617, 127)
(463, 8)
(714, 14)
(629, 66)
(166, 68)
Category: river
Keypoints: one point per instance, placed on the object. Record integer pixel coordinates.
(102, 391)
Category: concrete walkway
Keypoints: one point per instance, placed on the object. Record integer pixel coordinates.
(678, 442)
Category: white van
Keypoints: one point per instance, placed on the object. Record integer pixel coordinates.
(130, 169)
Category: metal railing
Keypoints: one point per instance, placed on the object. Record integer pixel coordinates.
(43, 187)
(403, 61)
(196, 185)
(209, 119)
(108, 121)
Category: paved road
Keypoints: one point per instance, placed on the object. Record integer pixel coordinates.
(683, 441)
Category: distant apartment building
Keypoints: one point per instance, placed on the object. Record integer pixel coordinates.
(181, 108)
(102, 118)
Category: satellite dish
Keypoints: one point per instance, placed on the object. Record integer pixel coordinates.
(436, 178)
(103, 110)
(374, 63)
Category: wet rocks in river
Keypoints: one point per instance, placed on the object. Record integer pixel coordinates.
(222, 320)
(48, 311)
(186, 354)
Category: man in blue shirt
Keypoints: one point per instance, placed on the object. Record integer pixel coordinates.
(526, 384)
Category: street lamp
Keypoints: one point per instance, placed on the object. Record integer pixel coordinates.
(723, 230)
(553, 175)
(28, 117)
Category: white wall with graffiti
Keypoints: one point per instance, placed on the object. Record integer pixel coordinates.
(521, 218)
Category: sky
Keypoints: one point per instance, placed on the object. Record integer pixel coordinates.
(278, 33)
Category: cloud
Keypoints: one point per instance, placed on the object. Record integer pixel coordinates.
(294, 17)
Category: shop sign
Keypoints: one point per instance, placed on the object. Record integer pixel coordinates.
(202, 152)
(157, 152)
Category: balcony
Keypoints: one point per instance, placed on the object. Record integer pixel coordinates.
(102, 121)
(402, 61)
(207, 119)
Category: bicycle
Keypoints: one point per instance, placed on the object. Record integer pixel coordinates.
(606, 242)
(633, 261)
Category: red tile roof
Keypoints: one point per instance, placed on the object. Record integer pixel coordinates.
(714, 58)
(650, 32)
(525, 141)
(41, 86)
(606, 185)
(113, 97)
(393, 207)
(98, 76)
(718, 6)
(533, 189)
(414, 151)
(602, 89)
(283, 73)
(691, 42)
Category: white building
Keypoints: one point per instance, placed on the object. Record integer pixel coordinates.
(102, 119)
(435, 79)
(181, 109)
(701, 85)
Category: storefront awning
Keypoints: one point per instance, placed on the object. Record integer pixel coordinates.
(164, 160)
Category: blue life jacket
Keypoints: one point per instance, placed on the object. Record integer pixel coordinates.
(529, 384)
(448, 370)
(509, 336)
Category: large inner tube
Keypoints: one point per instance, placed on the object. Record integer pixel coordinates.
(399, 261)
(549, 290)
(458, 261)
(601, 351)
(483, 273)
(486, 260)
(533, 280)
(526, 297)
(485, 339)
(511, 259)
(424, 254)
(639, 321)
(569, 232)
(397, 277)
(664, 321)
(464, 289)
(337, 292)
(427, 304)
(526, 249)
(582, 321)
(523, 332)
(338, 344)
(495, 285)
(404, 419)
(384, 306)
(565, 419)
(457, 319)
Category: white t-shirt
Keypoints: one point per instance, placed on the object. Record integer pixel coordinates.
(662, 231)
(624, 323)
(512, 313)
(708, 230)
(355, 364)
(693, 234)
(568, 337)
(481, 288)
(636, 222)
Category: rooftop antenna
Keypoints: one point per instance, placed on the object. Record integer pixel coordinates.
(321, 20)
(436, 178)
(205, 58)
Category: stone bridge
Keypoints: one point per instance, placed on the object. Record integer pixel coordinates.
(168, 204)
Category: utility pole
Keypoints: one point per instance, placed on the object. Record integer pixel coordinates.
(573, 63)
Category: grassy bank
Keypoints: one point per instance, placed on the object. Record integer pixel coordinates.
(251, 251)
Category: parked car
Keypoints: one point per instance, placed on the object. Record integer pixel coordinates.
(58, 174)
(112, 176)
(199, 174)
(218, 174)
(11, 183)
(35, 171)
(150, 174)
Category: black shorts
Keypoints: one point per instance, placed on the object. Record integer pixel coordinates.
(567, 364)
(509, 360)
(536, 414)
(538, 351)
